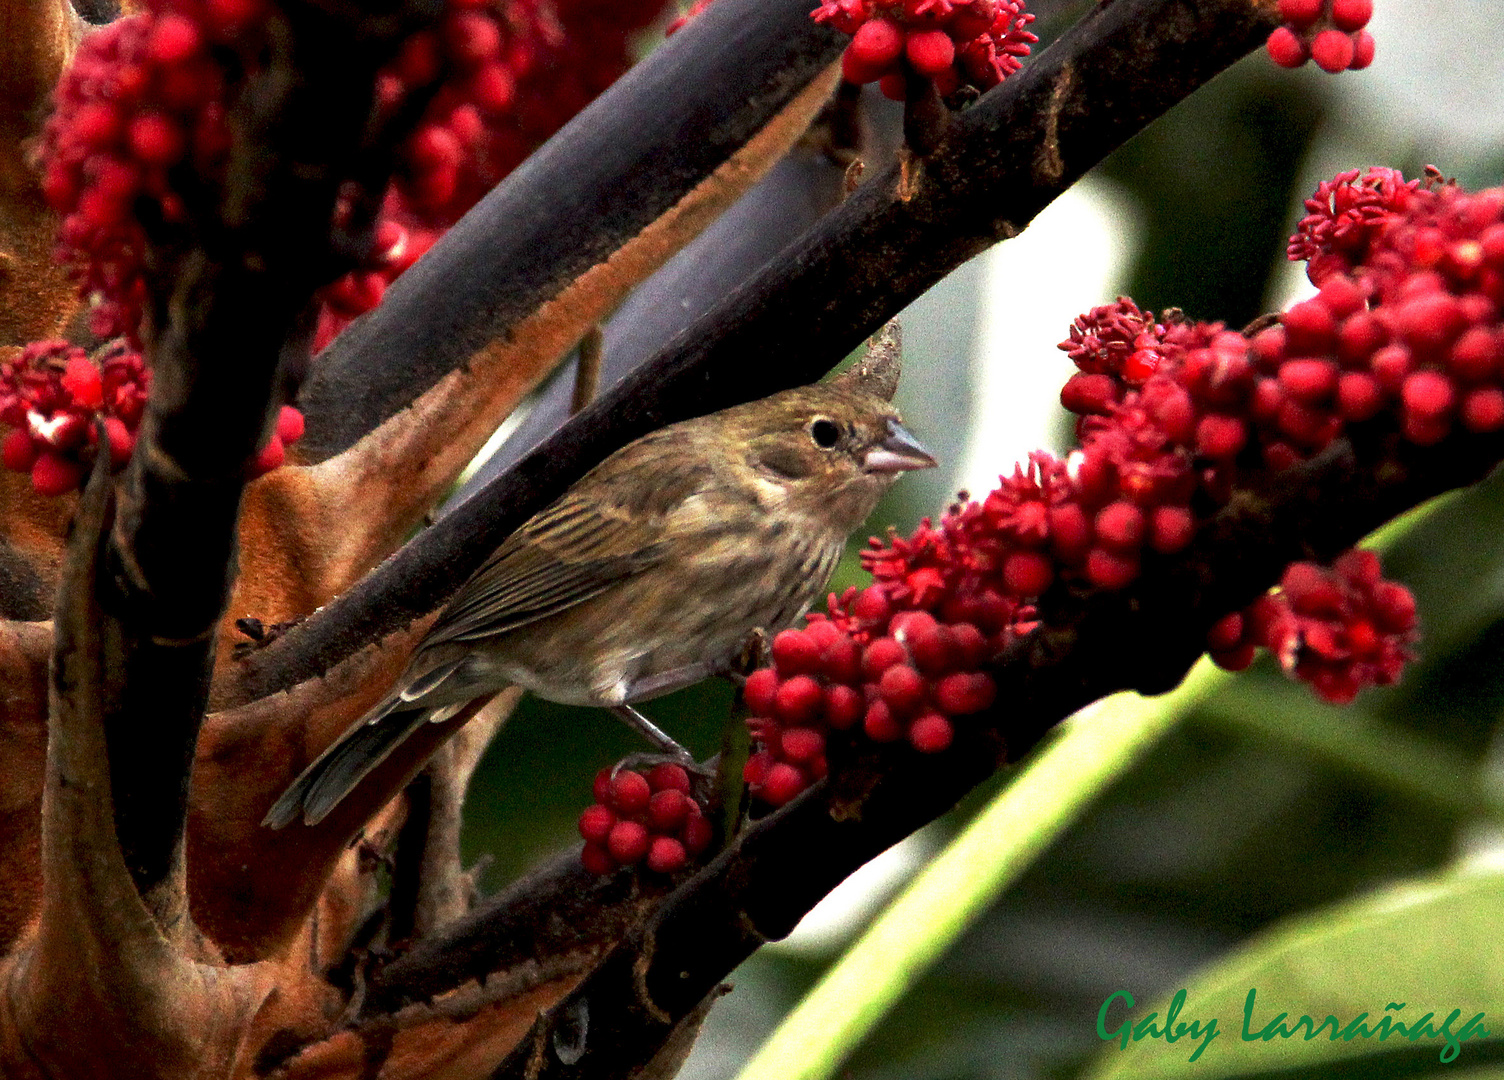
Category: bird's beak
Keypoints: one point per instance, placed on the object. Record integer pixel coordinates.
(897, 453)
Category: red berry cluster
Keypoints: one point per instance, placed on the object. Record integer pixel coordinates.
(891, 673)
(1338, 628)
(50, 396)
(143, 97)
(976, 43)
(397, 246)
(1327, 31)
(647, 818)
(52, 393)
(1173, 416)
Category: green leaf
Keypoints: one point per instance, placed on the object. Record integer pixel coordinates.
(1426, 946)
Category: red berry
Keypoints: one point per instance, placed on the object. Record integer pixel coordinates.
(666, 855)
(1028, 573)
(1120, 525)
(269, 457)
(472, 37)
(1351, 14)
(173, 39)
(931, 733)
(18, 452)
(667, 776)
(1171, 528)
(1221, 437)
(795, 652)
(876, 44)
(667, 810)
(930, 52)
(902, 688)
(881, 655)
(933, 651)
(1309, 381)
(290, 424)
(760, 691)
(630, 792)
(971, 646)
(155, 139)
(841, 660)
(1428, 395)
(1363, 51)
(1110, 570)
(798, 700)
(627, 842)
(596, 822)
(907, 625)
(1309, 328)
(493, 88)
(965, 692)
(1474, 355)
(1359, 396)
(879, 723)
(843, 706)
(1070, 533)
(871, 604)
(801, 744)
(1333, 51)
(783, 782)
(1300, 12)
(596, 859)
(601, 788)
(756, 769)
(1237, 658)
(53, 474)
(1483, 409)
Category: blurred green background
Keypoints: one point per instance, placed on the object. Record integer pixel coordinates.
(1263, 804)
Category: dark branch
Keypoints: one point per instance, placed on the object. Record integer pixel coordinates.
(1014, 151)
(226, 305)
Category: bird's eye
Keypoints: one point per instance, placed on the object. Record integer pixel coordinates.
(825, 433)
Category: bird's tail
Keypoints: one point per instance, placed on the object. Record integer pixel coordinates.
(335, 772)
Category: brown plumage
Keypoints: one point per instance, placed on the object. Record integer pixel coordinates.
(648, 574)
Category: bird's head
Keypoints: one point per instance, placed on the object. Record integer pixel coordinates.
(827, 451)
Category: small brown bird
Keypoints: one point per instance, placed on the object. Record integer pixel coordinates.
(648, 574)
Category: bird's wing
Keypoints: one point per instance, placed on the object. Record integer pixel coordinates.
(570, 552)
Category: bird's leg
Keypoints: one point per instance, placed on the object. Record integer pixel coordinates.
(653, 734)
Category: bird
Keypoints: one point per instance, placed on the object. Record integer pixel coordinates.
(649, 574)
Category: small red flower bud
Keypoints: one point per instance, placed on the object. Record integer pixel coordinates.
(801, 744)
(931, 52)
(1308, 381)
(1333, 51)
(795, 653)
(1351, 14)
(667, 810)
(760, 691)
(627, 842)
(931, 733)
(881, 655)
(1301, 13)
(665, 855)
(596, 822)
(52, 474)
(783, 782)
(1110, 570)
(798, 701)
(18, 452)
(290, 424)
(1428, 395)
(666, 776)
(1171, 528)
(1120, 525)
(1359, 396)
(879, 723)
(964, 692)
(629, 793)
(902, 688)
(1028, 573)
